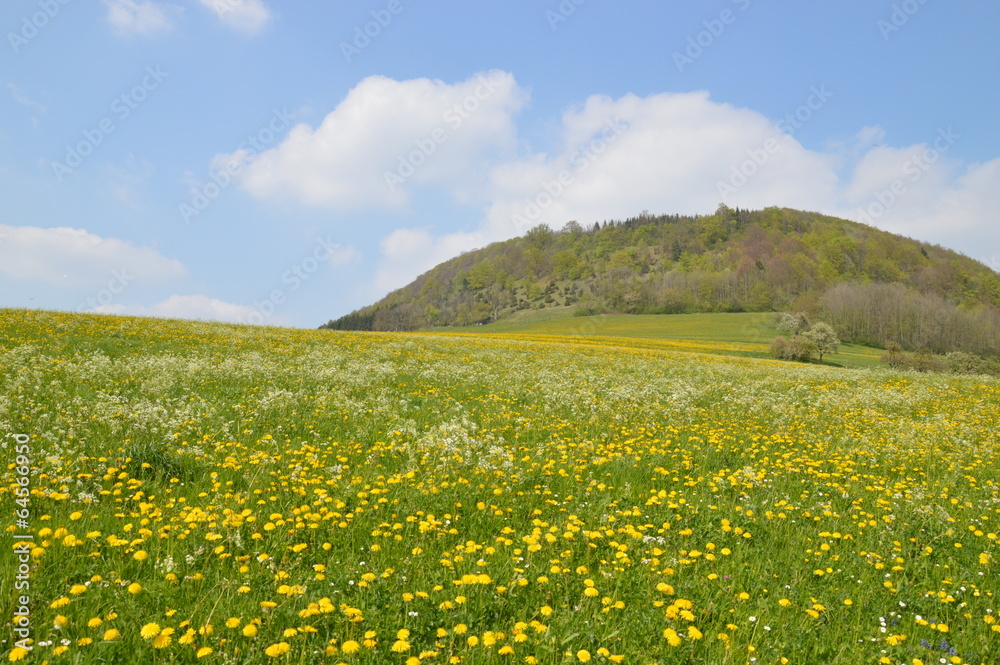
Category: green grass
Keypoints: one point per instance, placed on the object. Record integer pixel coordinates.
(753, 329)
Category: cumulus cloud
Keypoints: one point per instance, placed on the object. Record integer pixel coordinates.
(246, 16)
(75, 258)
(407, 252)
(387, 137)
(186, 307)
(922, 192)
(140, 17)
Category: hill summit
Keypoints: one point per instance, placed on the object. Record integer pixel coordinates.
(734, 260)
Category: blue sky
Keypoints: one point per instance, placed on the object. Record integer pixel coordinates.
(284, 163)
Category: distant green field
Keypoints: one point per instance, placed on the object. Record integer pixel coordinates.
(752, 331)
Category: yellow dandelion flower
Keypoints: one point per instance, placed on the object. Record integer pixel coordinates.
(141, 555)
(77, 589)
(111, 635)
(17, 653)
(400, 646)
(150, 630)
(350, 646)
(59, 602)
(250, 630)
(583, 656)
(204, 651)
(279, 649)
(134, 588)
(162, 641)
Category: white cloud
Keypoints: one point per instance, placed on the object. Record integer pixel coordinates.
(407, 253)
(341, 255)
(18, 96)
(664, 153)
(186, 307)
(74, 258)
(141, 17)
(247, 16)
(943, 202)
(446, 134)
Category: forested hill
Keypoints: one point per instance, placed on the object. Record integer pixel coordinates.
(731, 261)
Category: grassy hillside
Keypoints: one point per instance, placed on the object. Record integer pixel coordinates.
(205, 493)
(874, 287)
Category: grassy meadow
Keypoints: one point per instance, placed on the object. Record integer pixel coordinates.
(746, 334)
(223, 494)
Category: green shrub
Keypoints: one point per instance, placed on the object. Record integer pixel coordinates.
(796, 348)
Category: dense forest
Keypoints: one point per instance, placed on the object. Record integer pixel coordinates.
(873, 286)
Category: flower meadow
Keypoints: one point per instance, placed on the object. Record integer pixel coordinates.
(223, 494)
